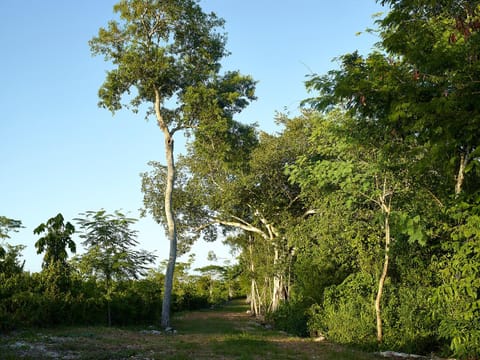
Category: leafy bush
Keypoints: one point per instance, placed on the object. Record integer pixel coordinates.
(408, 322)
(347, 315)
(458, 298)
(291, 317)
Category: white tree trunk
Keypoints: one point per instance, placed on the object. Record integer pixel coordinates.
(277, 283)
(172, 235)
(381, 282)
(461, 173)
(384, 202)
(254, 298)
(171, 226)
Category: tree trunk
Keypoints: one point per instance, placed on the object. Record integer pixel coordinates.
(109, 314)
(381, 282)
(254, 300)
(172, 234)
(109, 300)
(171, 226)
(277, 283)
(461, 172)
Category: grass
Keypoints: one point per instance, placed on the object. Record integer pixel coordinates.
(224, 333)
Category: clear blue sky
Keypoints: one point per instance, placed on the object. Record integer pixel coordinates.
(61, 153)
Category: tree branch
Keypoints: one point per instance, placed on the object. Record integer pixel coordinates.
(241, 225)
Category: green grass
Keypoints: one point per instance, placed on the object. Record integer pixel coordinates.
(222, 333)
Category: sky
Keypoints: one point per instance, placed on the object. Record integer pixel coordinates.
(61, 153)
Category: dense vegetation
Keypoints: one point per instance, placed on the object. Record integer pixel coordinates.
(110, 284)
(359, 220)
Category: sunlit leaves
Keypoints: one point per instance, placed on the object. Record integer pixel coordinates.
(7, 225)
(58, 236)
(109, 243)
(188, 205)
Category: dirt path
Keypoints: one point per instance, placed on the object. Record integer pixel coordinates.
(223, 333)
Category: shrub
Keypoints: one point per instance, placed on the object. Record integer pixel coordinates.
(346, 315)
(408, 322)
(291, 317)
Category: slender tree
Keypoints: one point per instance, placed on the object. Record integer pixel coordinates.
(169, 52)
(57, 238)
(110, 256)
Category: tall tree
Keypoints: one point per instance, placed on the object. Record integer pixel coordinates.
(169, 51)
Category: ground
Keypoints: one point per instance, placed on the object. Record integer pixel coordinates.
(227, 332)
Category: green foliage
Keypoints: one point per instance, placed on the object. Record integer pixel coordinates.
(28, 300)
(7, 225)
(457, 299)
(347, 314)
(189, 210)
(406, 116)
(109, 256)
(9, 259)
(337, 245)
(56, 240)
(387, 150)
(109, 243)
(324, 254)
(409, 323)
(215, 283)
(238, 177)
(291, 317)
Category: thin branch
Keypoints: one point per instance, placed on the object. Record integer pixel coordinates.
(237, 224)
(435, 198)
(271, 229)
(370, 198)
(293, 201)
(204, 226)
(241, 220)
(178, 128)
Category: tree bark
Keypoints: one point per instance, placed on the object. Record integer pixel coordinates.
(277, 283)
(381, 282)
(253, 284)
(171, 226)
(254, 298)
(461, 172)
(172, 234)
